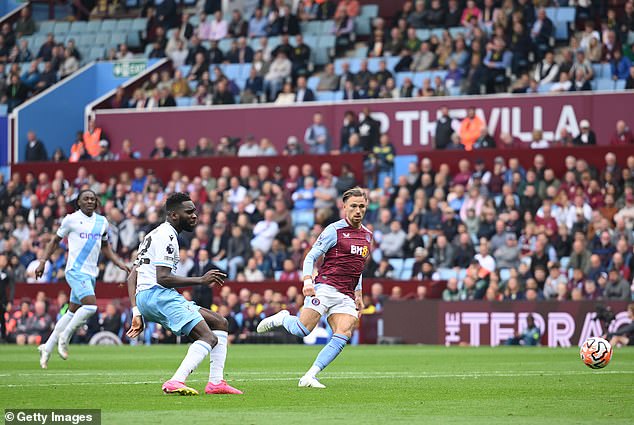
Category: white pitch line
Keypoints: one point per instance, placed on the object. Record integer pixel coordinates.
(339, 377)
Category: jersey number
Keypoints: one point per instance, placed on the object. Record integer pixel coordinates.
(144, 247)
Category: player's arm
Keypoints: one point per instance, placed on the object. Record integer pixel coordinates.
(106, 249)
(325, 241)
(48, 251)
(165, 278)
(137, 320)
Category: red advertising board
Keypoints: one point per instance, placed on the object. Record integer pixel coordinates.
(475, 323)
(410, 123)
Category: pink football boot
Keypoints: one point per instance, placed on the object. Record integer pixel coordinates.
(175, 387)
(221, 388)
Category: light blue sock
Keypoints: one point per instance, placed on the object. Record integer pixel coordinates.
(329, 353)
(294, 326)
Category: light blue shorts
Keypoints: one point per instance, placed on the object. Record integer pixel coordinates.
(81, 285)
(169, 308)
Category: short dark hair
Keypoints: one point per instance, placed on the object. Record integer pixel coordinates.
(81, 192)
(175, 200)
(355, 191)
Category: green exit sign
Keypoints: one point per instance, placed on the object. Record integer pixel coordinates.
(128, 68)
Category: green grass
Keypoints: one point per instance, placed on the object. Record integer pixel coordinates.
(366, 384)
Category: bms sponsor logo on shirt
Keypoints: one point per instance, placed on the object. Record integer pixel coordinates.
(85, 235)
(359, 250)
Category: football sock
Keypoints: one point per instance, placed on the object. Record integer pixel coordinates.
(217, 358)
(294, 326)
(196, 354)
(61, 324)
(81, 316)
(328, 353)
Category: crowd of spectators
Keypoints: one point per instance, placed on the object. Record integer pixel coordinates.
(47, 64)
(500, 46)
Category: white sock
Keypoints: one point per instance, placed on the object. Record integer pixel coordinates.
(217, 358)
(196, 354)
(61, 324)
(82, 314)
(313, 371)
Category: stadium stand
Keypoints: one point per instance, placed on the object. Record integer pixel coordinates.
(499, 231)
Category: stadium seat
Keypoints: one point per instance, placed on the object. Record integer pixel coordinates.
(96, 53)
(455, 31)
(401, 76)
(438, 32)
(245, 69)
(408, 266)
(183, 101)
(564, 262)
(117, 38)
(225, 44)
(103, 39)
(604, 84)
(78, 27)
(109, 25)
(133, 39)
(312, 83)
(95, 26)
(391, 62)
(363, 26)
(311, 27)
(606, 70)
(505, 274)
(397, 265)
(566, 14)
(401, 163)
(61, 28)
(619, 85)
(320, 56)
(278, 274)
(373, 64)
(326, 27)
(325, 96)
(3, 109)
(454, 90)
(140, 24)
(544, 88)
(232, 70)
(369, 10)
(326, 41)
(630, 38)
(339, 95)
(446, 274)
(124, 24)
(423, 34)
(86, 40)
(361, 52)
(46, 27)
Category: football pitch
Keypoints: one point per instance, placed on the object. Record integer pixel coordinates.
(366, 385)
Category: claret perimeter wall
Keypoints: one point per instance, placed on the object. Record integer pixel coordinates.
(410, 123)
(475, 323)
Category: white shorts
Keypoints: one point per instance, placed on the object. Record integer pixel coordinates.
(328, 300)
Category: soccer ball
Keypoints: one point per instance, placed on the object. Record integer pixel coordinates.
(596, 353)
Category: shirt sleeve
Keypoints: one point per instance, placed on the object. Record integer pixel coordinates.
(325, 241)
(163, 251)
(106, 230)
(64, 229)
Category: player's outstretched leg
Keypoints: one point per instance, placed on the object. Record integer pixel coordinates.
(274, 321)
(47, 348)
(218, 356)
(342, 326)
(81, 316)
(205, 340)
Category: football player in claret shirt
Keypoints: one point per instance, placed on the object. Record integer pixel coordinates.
(336, 289)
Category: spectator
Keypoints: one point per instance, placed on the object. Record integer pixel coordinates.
(35, 149)
(161, 150)
(219, 28)
(264, 232)
(470, 129)
(250, 148)
(623, 134)
(279, 70)
(587, 136)
(317, 136)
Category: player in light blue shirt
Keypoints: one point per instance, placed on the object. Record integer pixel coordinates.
(87, 234)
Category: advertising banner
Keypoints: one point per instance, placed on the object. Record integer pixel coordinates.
(475, 323)
(410, 123)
